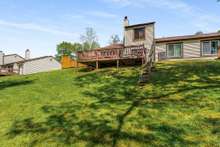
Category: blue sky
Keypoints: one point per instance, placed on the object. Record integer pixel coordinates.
(41, 24)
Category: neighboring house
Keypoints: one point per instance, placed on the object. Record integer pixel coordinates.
(15, 64)
(139, 41)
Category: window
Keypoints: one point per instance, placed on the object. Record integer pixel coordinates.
(174, 50)
(139, 34)
(210, 47)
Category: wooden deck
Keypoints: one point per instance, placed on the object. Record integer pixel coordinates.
(8, 72)
(132, 52)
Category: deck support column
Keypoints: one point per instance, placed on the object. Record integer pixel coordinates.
(118, 64)
(77, 64)
(97, 64)
(142, 61)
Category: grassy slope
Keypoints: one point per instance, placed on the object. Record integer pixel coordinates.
(180, 106)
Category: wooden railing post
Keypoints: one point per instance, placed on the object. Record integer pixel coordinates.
(118, 58)
(97, 60)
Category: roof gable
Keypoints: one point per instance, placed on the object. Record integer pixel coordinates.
(12, 58)
(140, 25)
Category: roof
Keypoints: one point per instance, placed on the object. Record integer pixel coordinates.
(13, 55)
(188, 37)
(35, 59)
(11, 62)
(139, 25)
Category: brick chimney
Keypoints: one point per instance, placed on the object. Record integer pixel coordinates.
(27, 54)
(126, 21)
(1, 58)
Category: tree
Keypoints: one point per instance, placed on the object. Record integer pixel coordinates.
(199, 33)
(114, 39)
(218, 31)
(67, 48)
(90, 39)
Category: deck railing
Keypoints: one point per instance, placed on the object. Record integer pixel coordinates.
(148, 66)
(8, 71)
(133, 52)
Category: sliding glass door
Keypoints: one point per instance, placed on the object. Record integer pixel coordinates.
(210, 47)
(174, 50)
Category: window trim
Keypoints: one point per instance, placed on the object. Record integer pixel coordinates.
(210, 46)
(174, 57)
(139, 39)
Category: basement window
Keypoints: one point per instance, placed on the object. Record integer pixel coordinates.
(139, 34)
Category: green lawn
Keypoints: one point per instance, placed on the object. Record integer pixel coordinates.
(180, 106)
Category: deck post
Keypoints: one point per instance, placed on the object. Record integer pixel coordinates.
(118, 64)
(118, 57)
(219, 52)
(97, 60)
(77, 64)
(142, 61)
(97, 64)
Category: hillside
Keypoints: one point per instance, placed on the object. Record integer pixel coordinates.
(180, 106)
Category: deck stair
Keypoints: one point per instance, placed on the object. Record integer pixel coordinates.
(148, 67)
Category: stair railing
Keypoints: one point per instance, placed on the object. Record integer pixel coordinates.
(148, 66)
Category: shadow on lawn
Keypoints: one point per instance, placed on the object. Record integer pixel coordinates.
(83, 121)
(14, 83)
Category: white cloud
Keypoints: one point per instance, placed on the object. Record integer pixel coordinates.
(34, 27)
(101, 14)
(197, 17)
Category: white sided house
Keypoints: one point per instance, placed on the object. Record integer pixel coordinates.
(15, 64)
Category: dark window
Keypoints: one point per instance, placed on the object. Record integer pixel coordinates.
(210, 47)
(139, 34)
(174, 50)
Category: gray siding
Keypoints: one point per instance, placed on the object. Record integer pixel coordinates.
(191, 49)
(159, 47)
(149, 35)
(40, 65)
(12, 59)
(1, 57)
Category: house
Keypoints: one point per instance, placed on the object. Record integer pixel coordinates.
(188, 47)
(15, 64)
(140, 44)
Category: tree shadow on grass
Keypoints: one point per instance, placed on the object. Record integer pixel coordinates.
(14, 83)
(101, 120)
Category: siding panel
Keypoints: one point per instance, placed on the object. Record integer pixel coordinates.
(191, 49)
(12, 59)
(149, 35)
(40, 65)
(159, 47)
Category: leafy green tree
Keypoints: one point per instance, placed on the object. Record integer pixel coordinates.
(67, 48)
(114, 39)
(218, 31)
(89, 39)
